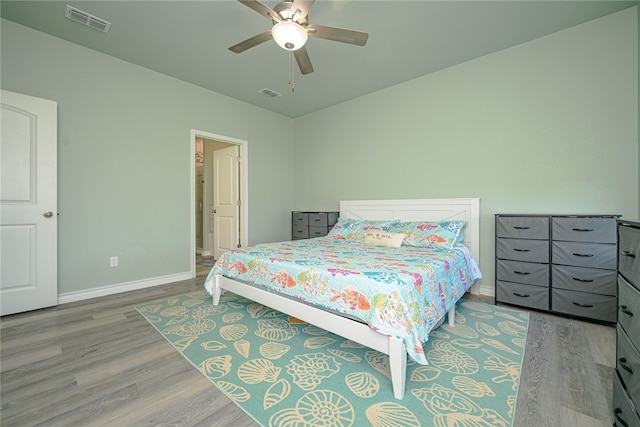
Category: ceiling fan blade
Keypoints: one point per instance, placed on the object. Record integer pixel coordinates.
(303, 6)
(251, 42)
(261, 9)
(338, 34)
(303, 60)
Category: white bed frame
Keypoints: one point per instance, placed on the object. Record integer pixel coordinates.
(407, 210)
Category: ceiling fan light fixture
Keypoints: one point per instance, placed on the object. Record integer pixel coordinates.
(289, 35)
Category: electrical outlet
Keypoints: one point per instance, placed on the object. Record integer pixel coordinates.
(113, 261)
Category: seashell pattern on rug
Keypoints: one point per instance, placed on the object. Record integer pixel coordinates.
(285, 372)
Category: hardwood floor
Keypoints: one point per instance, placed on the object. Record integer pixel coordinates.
(98, 362)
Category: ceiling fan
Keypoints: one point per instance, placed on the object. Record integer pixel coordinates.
(291, 29)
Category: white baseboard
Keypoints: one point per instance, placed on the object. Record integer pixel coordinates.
(487, 290)
(122, 287)
(482, 289)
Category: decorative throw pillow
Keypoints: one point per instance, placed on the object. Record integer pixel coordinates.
(383, 238)
(432, 234)
(355, 229)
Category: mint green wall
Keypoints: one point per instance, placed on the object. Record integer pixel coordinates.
(549, 126)
(124, 158)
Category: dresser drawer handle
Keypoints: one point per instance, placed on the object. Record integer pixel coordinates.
(522, 228)
(521, 295)
(582, 305)
(583, 255)
(629, 254)
(583, 229)
(582, 280)
(625, 310)
(617, 413)
(316, 219)
(524, 273)
(623, 363)
(522, 250)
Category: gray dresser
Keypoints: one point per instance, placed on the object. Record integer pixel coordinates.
(565, 264)
(306, 225)
(626, 379)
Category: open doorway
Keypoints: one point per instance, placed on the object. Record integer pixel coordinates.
(218, 197)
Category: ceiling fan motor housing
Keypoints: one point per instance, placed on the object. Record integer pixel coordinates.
(284, 10)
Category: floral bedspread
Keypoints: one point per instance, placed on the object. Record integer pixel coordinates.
(400, 292)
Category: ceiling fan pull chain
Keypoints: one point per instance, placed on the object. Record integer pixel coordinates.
(291, 73)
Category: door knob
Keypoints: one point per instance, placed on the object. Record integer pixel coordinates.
(47, 214)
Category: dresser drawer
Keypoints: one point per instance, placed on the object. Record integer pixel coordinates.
(629, 309)
(299, 219)
(595, 230)
(624, 412)
(628, 364)
(629, 258)
(594, 255)
(523, 272)
(584, 279)
(525, 295)
(583, 304)
(318, 220)
(332, 218)
(300, 233)
(318, 231)
(522, 227)
(523, 250)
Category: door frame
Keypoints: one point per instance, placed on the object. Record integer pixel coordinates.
(244, 173)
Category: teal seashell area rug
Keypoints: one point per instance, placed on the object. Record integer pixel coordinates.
(283, 372)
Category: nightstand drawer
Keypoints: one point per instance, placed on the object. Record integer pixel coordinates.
(629, 309)
(523, 272)
(595, 230)
(300, 233)
(624, 412)
(318, 220)
(523, 250)
(584, 279)
(594, 255)
(583, 304)
(318, 231)
(628, 364)
(629, 256)
(299, 219)
(525, 295)
(522, 227)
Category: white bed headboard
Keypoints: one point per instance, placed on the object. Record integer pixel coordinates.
(467, 209)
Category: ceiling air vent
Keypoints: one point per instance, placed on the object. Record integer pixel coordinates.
(87, 19)
(269, 93)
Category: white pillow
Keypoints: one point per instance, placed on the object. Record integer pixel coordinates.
(383, 238)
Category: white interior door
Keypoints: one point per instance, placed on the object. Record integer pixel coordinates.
(28, 204)
(226, 200)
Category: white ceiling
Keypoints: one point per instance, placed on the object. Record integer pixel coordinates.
(189, 40)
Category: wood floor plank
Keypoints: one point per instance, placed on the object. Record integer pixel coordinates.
(98, 362)
(535, 395)
(582, 389)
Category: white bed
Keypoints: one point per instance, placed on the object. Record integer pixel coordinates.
(467, 209)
